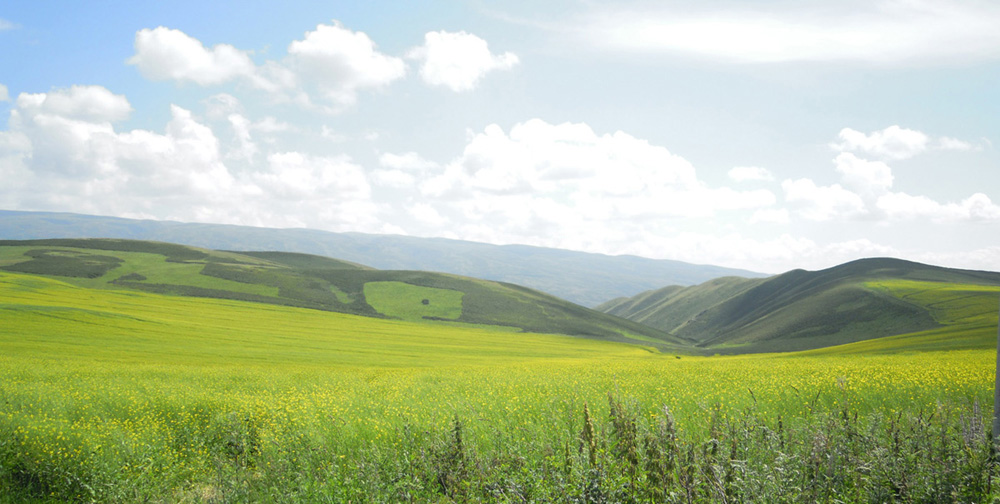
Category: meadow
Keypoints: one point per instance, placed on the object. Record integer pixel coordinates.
(121, 396)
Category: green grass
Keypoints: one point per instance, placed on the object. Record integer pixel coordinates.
(50, 318)
(121, 396)
(306, 281)
(968, 314)
(154, 267)
(802, 310)
(413, 302)
(949, 303)
(114, 395)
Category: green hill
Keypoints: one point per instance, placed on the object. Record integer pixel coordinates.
(315, 282)
(801, 310)
(671, 307)
(583, 278)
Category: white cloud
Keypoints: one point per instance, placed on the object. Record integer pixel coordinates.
(428, 216)
(984, 259)
(340, 62)
(771, 215)
(410, 161)
(822, 203)
(770, 255)
(538, 157)
(7, 25)
(458, 60)
(245, 148)
(220, 106)
(270, 125)
(561, 185)
(867, 178)
(954, 144)
(902, 206)
(296, 176)
(85, 103)
(402, 170)
(69, 152)
(565, 185)
(166, 54)
(881, 32)
(4, 95)
(891, 143)
(744, 173)
(331, 62)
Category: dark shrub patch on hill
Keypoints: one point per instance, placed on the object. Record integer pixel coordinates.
(65, 263)
(173, 253)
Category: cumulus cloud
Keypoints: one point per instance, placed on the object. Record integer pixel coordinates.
(331, 62)
(4, 95)
(895, 143)
(459, 60)
(538, 157)
(744, 173)
(340, 62)
(891, 143)
(880, 32)
(402, 170)
(954, 144)
(867, 178)
(296, 177)
(822, 203)
(561, 185)
(166, 54)
(65, 147)
(866, 190)
(219, 106)
(85, 103)
(771, 215)
(977, 207)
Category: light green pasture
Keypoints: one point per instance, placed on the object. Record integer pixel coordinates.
(407, 302)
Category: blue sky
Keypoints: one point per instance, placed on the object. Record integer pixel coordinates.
(766, 135)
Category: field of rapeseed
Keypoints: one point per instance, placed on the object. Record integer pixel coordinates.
(108, 396)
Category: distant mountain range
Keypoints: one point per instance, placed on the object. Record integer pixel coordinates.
(800, 310)
(583, 278)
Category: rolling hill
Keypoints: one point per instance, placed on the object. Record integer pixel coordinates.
(582, 278)
(315, 282)
(802, 310)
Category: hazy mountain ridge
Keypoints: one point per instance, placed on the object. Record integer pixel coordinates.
(799, 309)
(583, 278)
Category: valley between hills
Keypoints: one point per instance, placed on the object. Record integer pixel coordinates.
(135, 370)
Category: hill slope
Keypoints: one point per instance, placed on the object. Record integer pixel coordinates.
(583, 278)
(306, 281)
(800, 310)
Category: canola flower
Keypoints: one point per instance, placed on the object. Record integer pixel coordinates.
(131, 397)
(176, 422)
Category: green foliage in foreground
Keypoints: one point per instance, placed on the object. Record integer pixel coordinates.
(118, 396)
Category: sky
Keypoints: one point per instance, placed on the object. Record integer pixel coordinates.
(765, 135)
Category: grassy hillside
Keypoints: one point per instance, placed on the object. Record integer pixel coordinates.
(121, 396)
(49, 318)
(305, 281)
(582, 278)
(967, 313)
(670, 308)
(801, 310)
